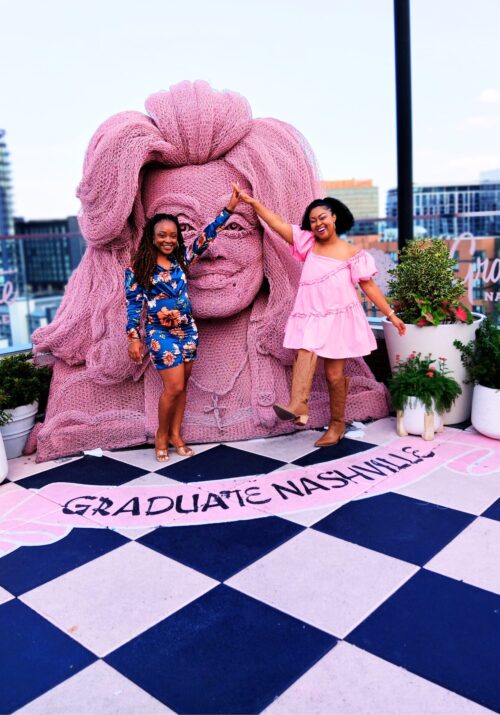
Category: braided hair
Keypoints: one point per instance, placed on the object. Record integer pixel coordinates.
(146, 258)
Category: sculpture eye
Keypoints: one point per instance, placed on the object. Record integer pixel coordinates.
(233, 226)
(186, 227)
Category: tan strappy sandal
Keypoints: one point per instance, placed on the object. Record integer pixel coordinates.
(161, 453)
(183, 450)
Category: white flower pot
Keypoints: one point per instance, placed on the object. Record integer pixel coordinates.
(415, 420)
(4, 467)
(437, 340)
(15, 433)
(485, 416)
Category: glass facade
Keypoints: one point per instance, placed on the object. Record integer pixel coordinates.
(362, 199)
(451, 210)
(38, 261)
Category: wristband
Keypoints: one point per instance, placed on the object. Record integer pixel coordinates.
(391, 313)
(228, 210)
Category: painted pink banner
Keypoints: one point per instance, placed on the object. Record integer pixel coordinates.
(49, 513)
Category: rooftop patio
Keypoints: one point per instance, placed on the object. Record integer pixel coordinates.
(387, 604)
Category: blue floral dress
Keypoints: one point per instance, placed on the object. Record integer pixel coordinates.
(171, 334)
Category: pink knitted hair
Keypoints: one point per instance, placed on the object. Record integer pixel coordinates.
(98, 396)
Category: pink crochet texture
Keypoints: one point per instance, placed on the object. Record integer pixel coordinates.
(181, 158)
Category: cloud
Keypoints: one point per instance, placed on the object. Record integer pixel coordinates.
(490, 96)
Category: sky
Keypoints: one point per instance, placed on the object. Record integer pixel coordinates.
(325, 66)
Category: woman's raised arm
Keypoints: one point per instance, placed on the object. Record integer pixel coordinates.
(273, 220)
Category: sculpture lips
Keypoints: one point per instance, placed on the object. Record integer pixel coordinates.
(208, 281)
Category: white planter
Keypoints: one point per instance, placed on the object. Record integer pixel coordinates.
(4, 467)
(415, 420)
(486, 411)
(15, 433)
(437, 340)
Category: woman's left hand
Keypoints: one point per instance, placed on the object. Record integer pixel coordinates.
(398, 324)
(235, 197)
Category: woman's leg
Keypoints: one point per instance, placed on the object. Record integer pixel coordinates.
(338, 386)
(173, 380)
(302, 379)
(175, 437)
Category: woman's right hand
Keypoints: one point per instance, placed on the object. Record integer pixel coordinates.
(136, 351)
(242, 195)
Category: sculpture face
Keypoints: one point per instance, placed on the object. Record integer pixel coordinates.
(227, 278)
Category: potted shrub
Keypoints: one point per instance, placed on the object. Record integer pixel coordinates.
(421, 394)
(481, 359)
(22, 384)
(426, 294)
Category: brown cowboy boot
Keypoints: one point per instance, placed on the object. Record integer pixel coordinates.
(302, 378)
(336, 429)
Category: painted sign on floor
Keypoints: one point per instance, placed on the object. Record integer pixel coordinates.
(41, 517)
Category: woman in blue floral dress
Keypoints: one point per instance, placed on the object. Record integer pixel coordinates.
(158, 278)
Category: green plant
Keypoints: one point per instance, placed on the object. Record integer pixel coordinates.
(419, 377)
(21, 383)
(424, 289)
(481, 357)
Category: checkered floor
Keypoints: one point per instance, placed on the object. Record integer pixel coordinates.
(388, 604)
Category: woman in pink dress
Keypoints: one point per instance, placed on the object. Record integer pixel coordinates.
(327, 319)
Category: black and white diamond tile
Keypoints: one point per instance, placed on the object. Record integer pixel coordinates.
(388, 604)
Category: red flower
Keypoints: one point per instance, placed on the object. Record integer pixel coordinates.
(431, 367)
(429, 374)
(460, 313)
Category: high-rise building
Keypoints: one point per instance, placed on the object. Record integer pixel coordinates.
(51, 255)
(6, 220)
(10, 268)
(362, 199)
(450, 210)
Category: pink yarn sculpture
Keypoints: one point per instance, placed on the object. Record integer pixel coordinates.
(181, 158)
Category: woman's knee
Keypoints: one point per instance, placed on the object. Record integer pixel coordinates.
(334, 371)
(173, 391)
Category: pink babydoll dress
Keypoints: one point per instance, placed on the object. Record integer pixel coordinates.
(327, 317)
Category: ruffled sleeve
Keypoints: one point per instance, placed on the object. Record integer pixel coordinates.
(362, 267)
(303, 241)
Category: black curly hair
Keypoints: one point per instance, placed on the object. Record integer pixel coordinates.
(145, 259)
(345, 219)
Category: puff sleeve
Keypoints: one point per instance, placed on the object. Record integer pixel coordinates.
(362, 267)
(303, 241)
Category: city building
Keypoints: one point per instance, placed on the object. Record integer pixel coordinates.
(6, 220)
(51, 251)
(10, 258)
(454, 209)
(362, 199)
